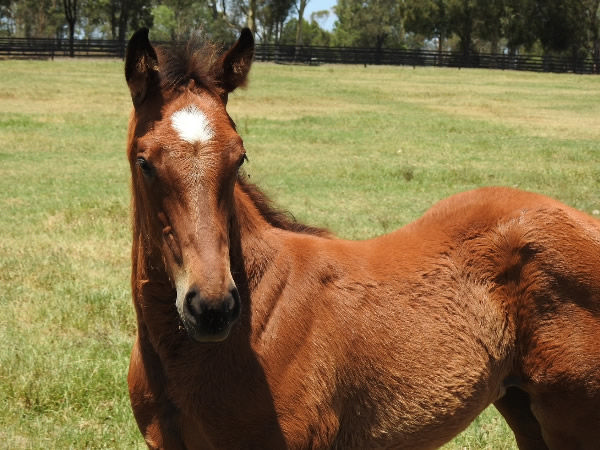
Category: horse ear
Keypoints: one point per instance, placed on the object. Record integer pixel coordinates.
(141, 66)
(235, 63)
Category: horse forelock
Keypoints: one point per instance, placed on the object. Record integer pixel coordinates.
(195, 61)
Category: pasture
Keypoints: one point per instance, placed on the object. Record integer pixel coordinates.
(358, 150)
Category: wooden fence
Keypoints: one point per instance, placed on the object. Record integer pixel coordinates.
(32, 48)
(397, 57)
(290, 54)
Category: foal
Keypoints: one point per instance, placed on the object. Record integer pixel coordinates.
(257, 332)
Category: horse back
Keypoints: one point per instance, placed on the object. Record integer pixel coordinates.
(488, 287)
(541, 260)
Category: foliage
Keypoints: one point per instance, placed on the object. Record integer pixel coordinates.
(560, 24)
(429, 18)
(488, 21)
(368, 23)
(300, 7)
(312, 33)
(114, 19)
(273, 18)
(517, 24)
(33, 18)
(557, 25)
(570, 27)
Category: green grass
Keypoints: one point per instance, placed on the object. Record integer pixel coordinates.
(358, 150)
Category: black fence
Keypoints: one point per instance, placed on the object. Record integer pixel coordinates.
(287, 54)
(290, 54)
(15, 48)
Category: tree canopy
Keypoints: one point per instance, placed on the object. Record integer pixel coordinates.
(550, 26)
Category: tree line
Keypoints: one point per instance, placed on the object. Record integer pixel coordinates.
(570, 27)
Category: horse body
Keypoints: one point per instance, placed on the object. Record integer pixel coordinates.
(394, 342)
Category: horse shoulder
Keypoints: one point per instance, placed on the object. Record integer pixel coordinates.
(156, 416)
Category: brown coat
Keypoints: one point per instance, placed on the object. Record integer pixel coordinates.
(257, 332)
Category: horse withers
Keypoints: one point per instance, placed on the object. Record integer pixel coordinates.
(255, 331)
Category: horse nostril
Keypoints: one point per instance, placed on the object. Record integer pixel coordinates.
(235, 304)
(193, 304)
(211, 317)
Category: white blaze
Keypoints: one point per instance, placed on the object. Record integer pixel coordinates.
(181, 286)
(192, 125)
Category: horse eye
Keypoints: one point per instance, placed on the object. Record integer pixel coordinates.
(144, 165)
(243, 159)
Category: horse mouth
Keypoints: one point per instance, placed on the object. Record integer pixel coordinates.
(213, 328)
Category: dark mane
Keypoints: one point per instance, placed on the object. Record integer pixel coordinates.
(196, 60)
(274, 216)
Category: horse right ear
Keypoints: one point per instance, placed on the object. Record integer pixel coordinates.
(141, 67)
(235, 63)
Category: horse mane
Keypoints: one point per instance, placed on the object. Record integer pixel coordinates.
(277, 218)
(196, 60)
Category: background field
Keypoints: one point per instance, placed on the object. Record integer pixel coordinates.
(359, 150)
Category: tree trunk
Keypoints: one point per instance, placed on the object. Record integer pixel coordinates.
(113, 20)
(70, 7)
(379, 40)
(71, 39)
(212, 4)
(123, 19)
(252, 15)
(494, 45)
(301, 8)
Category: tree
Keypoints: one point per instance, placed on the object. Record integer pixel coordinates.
(562, 25)
(35, 18)
(369, 23)
(461, 17)
(489, 16)
(300, 7)
(70, 8)
(177, 19)
(182, 16)
(429, 18)
(164, 24)
(240, 13)
(312, 33)
(7, 21)
(518, 27)
(274, 15)
(592, 12)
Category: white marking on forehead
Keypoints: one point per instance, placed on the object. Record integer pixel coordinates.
(192, 125)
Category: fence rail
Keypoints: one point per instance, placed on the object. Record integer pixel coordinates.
(370, 56)
(290, 54)
(50, 48)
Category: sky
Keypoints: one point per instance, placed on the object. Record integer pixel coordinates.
(319, 5)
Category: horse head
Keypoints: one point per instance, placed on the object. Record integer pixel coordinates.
(184, 154)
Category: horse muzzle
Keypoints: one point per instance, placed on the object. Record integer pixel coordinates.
(209, 319)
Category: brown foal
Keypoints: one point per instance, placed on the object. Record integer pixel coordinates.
(258, 332)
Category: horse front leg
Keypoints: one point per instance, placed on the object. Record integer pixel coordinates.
(156, 416)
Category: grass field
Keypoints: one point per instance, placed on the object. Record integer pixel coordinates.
(358, 150)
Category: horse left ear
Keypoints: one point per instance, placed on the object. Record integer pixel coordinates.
(235, 63)
(141, 67)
